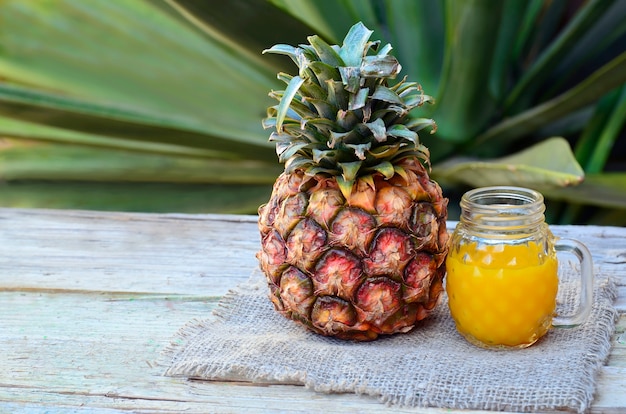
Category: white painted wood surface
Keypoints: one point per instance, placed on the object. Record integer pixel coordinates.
(88, 300)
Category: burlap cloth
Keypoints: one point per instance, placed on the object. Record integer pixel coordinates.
(430, 366)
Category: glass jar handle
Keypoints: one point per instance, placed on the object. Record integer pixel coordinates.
(586, 283)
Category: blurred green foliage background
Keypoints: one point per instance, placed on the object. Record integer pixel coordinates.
(156, 105)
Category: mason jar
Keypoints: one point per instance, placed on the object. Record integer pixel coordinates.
(502, 270)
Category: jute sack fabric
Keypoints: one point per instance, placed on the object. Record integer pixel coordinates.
(432, 365)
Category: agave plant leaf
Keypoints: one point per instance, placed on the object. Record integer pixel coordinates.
(419, 37)
(332, 18)
(606, 190)
(527, 26)
(11, 127)
(602, 81)
(253, 32)
(109, 125)
(610, 132)
(463, 106)
(504, 55)
(186, 79)
(131, 62)
(544, 166)
(141, 197)
(591, 49)
(556, 50)
(594, 127)
(23, 160)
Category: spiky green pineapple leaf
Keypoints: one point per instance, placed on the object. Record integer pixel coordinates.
(325, 52)
(350, 169)
(351, 51)
(385, 168)
(285, 102)
(543, 166)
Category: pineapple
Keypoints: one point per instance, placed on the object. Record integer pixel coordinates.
(353, 237)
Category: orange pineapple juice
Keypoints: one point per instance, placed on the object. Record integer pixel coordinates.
(502, 295)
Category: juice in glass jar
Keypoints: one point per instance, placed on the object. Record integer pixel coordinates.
(502, 295)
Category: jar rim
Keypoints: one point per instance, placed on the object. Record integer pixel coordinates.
(503, 198)
(502, 208)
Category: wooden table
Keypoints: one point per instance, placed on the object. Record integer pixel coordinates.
(88, 300)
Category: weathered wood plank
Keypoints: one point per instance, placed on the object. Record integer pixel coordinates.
(88, 300)
(206, 254)
(100, 350)
(122, 252)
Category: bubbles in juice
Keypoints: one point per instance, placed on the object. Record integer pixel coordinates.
(502, 295)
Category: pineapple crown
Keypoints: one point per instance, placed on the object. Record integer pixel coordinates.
(339, 116)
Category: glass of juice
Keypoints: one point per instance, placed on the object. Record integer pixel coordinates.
(502, 270)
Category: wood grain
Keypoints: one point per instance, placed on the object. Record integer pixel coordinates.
(88, 301)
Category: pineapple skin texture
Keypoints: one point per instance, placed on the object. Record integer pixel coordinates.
(372, 264)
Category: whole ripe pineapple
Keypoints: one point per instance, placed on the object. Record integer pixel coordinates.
(354, 234)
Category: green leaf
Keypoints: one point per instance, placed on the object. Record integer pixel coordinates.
(594, 127)
(603, 39)
(254, 32)
(327, 54)
(324, 72)
(610, 132)
(504, 56)
(360, 149)
(285, 102)
(351, 51)
(27, 130)
(550, 57)
(606, 190)
(140, 197)
(149, 66)
(287, 50)
(463, 105)
(546, 165)
(378, 129)
(328, 18)
(401, 131)
(350, 170)
(383, 93)
(345, 186)
(379, 67)
(527, 26)
(385, 168)
(603, 80)
(40, 161)
(418, 39)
